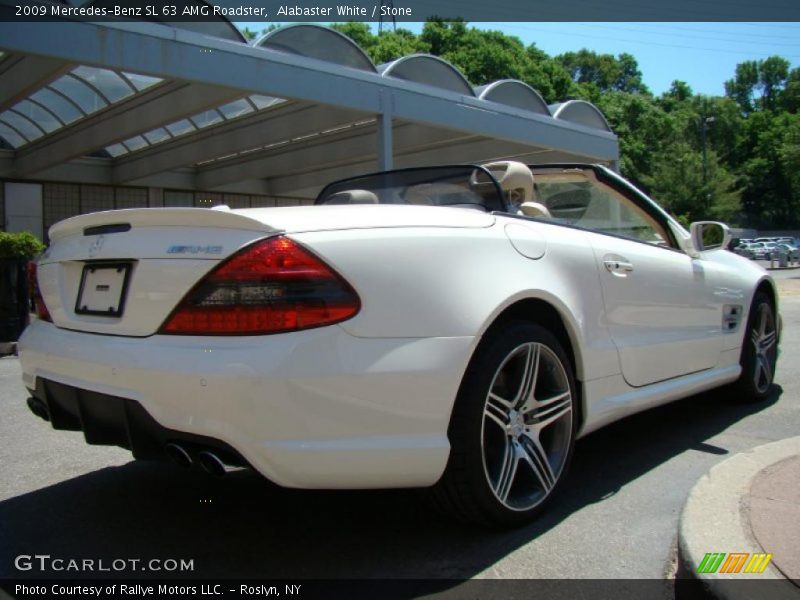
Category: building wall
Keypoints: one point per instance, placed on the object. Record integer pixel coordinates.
(23, 207)
(63, 200)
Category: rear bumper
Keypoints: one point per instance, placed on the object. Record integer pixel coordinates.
(313, 409)
(113, 421)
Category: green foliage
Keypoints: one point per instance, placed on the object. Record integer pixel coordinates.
(385, 47)
(643, 130)
(770, 167)
(248, 34)
(768, 77)
(20, 245)
(605, 71)
(677, 181)
(751, 136)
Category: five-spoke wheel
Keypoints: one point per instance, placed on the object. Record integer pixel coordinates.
(513, 427)
(764, 337)
(759, 351)
(527, 426)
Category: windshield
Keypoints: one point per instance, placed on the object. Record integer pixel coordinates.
(460, 186)
(575, 196)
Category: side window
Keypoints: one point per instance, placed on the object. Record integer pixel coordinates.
(578, 198)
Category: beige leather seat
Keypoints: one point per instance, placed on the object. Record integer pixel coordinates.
(516, 181)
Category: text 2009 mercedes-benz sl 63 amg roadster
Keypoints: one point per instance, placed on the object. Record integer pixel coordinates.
(448, 327)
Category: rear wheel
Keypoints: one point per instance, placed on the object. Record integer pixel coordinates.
(759, 352)
(512, 429)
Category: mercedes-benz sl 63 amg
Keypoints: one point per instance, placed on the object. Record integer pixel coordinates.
(455, 328)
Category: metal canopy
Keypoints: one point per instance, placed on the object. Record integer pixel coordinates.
(428, 70)
(514, 93)
(317, 42)
(162, 105)
(581, 112)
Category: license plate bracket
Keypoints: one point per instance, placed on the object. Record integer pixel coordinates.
(103, 289)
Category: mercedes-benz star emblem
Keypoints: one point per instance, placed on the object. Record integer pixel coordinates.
(96, 245)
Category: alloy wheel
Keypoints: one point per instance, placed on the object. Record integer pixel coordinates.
(764, 339)
(527, 426)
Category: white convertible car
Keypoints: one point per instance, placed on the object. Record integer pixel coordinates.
(448, 327)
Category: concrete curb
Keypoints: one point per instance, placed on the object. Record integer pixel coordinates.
(715, 519)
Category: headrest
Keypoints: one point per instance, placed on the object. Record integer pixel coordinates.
(535, 209)
(352, 197)
(515, 179)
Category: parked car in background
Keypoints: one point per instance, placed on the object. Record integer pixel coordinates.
(792, 253)
(455, 327)
(744, 250)
(772, 250)
(759, 250)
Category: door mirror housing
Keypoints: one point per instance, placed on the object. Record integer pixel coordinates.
(709, 235)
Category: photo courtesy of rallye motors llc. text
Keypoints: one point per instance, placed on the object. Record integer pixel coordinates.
(123, 589)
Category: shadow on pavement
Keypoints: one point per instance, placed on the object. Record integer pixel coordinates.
(243, 526)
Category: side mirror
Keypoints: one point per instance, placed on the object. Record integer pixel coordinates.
(709, 235)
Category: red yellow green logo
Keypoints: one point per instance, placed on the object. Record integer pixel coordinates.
(734, 562)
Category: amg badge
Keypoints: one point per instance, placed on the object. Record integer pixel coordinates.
(194, 250)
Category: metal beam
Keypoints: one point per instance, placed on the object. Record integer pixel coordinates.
(341, 148)
(158, 106)
(455, 151)
(170, 53)
(23, 75)
(274, 125)
(82, 170)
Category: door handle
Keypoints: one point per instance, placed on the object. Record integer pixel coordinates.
(618, 267)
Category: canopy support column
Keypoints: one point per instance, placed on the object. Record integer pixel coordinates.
(385, 143)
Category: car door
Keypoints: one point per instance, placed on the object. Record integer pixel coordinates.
(660, 306)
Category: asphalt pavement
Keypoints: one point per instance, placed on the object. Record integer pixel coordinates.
(616, 517)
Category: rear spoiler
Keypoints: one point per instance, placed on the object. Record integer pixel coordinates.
(122, 220)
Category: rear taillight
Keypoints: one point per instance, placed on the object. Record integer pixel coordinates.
(36, 294)
(272, 286)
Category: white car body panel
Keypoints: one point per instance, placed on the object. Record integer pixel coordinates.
(301, 408)
(366, 403)
(662, 315)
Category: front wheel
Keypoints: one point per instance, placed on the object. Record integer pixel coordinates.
(759, 351)
(513, 428)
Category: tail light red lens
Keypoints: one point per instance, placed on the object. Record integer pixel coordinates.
(36, 294)
(272, 286)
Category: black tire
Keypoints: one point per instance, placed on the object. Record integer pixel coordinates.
(759, 352)
(500, 434)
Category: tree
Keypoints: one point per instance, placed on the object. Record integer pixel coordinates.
(248, 34)
(642, 127)
(604, 70)
(676, 96)
(767, 76)
(677, 182)
(773, 73)
(769, 164)
(790, 99)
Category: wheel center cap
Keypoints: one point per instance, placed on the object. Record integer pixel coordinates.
(516, 425)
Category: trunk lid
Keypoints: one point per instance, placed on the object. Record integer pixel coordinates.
(123, 272)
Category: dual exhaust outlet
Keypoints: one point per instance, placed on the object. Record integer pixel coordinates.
(207, 459)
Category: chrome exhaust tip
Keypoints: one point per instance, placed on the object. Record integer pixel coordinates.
(212, 463)
(178, 455)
